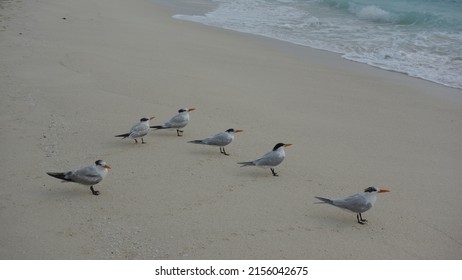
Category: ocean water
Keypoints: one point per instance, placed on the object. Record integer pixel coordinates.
(421, 38)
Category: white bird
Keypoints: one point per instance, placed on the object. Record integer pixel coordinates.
(177, 122)
(89, 176)
(138, 130)
(220, 139)
(270, 159)
(357, 203)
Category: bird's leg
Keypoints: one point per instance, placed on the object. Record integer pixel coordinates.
(222, 150)
(178, 132)
(360, 219)
(142, 141)
(136, 141)
(93, 191)
(274, 173)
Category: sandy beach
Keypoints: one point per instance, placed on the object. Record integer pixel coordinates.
(74, 74)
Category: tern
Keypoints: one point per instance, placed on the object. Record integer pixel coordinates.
(270, 159)
(138, 130)
(89, 176)
(177, 122)
(220, 139)
(357, 203)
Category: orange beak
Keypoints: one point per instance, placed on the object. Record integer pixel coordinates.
(192, 109)
(238, 130)
(287, 145)
(383, 190)
(107, 166)
(151, 118)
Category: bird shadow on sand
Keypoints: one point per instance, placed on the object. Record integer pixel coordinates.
(166, 134)
(209, 153)
(124, 143)
(254, 174)
(336, 222)
(69, 192)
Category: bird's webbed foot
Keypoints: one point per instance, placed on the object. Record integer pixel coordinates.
(360, 219)
(274, 173)
(93, 191)
(222, 150)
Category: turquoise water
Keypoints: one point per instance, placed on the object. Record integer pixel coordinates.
(422, 38)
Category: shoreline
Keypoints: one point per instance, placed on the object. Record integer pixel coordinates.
(178, 9)
(325, 57)
(76, 74)
(186, 7)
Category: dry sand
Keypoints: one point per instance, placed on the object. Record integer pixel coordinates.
(75, 73)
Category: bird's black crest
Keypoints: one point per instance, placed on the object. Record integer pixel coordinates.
(370, 189)
(278, 145)
(230, 130)
(182, 110)
(99, 162)
(144, 119)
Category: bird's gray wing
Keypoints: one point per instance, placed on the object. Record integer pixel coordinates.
(270, 159)
(220, 139)
(139, 130)
(356, 203)
(86, 176)
(176, 121)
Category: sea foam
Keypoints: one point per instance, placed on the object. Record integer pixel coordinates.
(417, 37)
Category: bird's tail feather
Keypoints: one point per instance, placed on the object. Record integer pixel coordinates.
(196, 142)
(324, 200)
(157, 127)
(125, 135)
(246, 163)
(59, 175)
